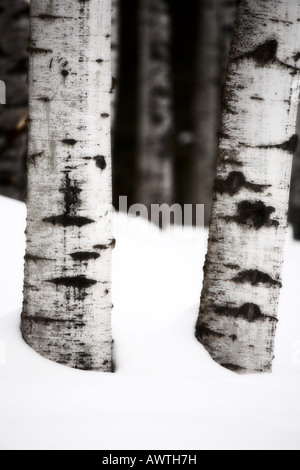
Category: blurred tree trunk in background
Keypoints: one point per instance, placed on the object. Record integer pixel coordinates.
(115, 56)
(294, 213)
(238, 314)
(67, 289)
(216, 28)
(14, 31)
(155, 172)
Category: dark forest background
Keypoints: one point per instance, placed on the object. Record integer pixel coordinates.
(185, 32)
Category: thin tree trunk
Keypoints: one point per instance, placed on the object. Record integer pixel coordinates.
(155, 152)
(294, 213)
(216, 28)
(67, 299)
(239, 304)
(14, 30)
(115, 46)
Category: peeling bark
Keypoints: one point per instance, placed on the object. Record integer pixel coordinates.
(155, 150)
(242, 277)
(14, 30)
(67, 300)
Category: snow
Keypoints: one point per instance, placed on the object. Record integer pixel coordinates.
(166, 393)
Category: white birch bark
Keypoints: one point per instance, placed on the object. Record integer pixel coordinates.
(67, 298)
(14, 29)
(216, 27)
(239, 304)
(155, 146)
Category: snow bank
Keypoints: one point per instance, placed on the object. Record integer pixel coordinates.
(166, 393)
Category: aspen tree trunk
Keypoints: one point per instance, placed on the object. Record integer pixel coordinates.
(67, 299)
(14, 30)
(239, 304)
(155, 152)
(216, 28)
(115, 32)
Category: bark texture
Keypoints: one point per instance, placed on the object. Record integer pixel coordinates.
(155, 149)
(216, 29)
(239, 304)
(14, 31)
(67, 291)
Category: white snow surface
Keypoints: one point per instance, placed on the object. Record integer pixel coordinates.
(166, 392)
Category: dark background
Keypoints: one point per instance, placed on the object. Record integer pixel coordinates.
(185, 20)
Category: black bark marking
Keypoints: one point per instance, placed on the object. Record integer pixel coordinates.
(38, 50)
(234, 183)
(84, 256)
(99, 61)
(64, 73)
(45, 16)
(250, 312)
(232, 266)
(254, 214)
(297, 56)
(258, 98)
(232, 161)
(71, 142)
(104, 115)
(288, 146)
(112, 244)
(113, 85)
(71, 195)
(100, 162)
(34, 156)
(34, 258)
(49, 321)
(204, 330)
(263, 54)
(68, 220)
(77, 282)
(233, 337)
(233, 367)
(255, 277)
(45, 99)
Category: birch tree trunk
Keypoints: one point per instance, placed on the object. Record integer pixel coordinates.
(14, 29)
(216, 28)
(238, 314)
(155, 149)
(67, 299)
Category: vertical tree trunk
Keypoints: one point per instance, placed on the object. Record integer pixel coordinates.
(115, 32)
(238, 314)
(216, 28)
(67, 299)
(294, 213)
(14, 29)
(155, 152)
